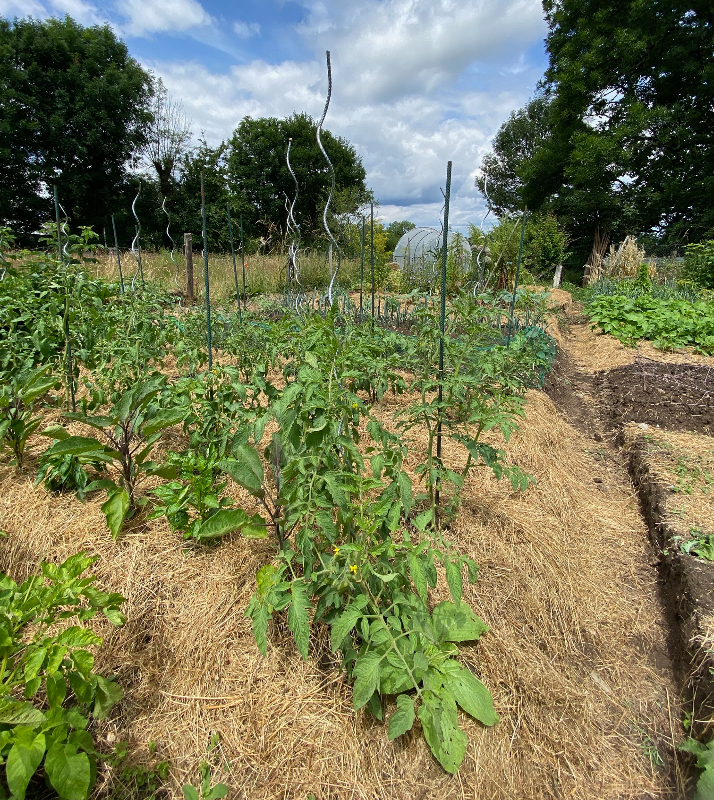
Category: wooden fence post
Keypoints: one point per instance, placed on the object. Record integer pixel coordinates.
(188, 251)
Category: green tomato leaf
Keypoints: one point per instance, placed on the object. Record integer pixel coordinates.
(440, 724)
(402, 719)
(190, 792)
(366, 673)
(418, 576)
(457, 623)
(454, 578)
(227, 520)
(343, 625)
(469, 692)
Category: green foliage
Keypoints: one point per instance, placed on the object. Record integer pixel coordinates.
(17, 401)
(48, 728)
(193, 497)
(545, 245)
(264, 142)
(667, 323)
(699, 264)
(130, 430)
(700, 544)
(704, 754)
(74, 104)
(67, 473)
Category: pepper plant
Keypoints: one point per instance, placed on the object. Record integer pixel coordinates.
(130, 430)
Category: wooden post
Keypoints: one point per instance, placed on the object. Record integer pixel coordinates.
(188, 250)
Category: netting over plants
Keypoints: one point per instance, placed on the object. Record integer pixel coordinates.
(418, 255)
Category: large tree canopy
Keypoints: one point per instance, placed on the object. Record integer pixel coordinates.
(628, 141)
(258, 173)
(73, 104)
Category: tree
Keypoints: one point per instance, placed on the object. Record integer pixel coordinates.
(258, 172)
(73, 108)
(395, 231)
(167, 139)
(516, 142)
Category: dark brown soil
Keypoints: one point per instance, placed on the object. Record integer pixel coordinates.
(673, 396)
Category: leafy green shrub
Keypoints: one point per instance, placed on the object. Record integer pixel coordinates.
(699, 264)
(48, 728)
(17, 399)
(130, 429)
(67, 473)
(667, 323)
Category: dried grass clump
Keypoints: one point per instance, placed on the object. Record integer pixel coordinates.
(572, 656)
(625, 261)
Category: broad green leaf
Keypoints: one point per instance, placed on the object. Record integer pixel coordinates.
(114, 616)
(165, 471)
(108, 694)
(227, 520)
(164, 418)
(454, 578)
(55, 432)
(457, 623)
(83, 661)
(469, 692)
(56, 689)
(298, 617)
(15, 712)
(98, 485)
(366, 673)
(74, 445)
(402, 719)
(439, 721)
(24, 758)
(343, 625)
(190, 792)
(217, 792)
(244, 470)
(68, 771)
(114, 509)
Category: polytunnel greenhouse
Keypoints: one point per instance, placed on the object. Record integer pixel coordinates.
(418, 255)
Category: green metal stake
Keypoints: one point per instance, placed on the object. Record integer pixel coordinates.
(68, 341)
(205, 276)
(515, 284)
(442, 328)
(371, 240)
(242, 261)
(116, 248)
(361, 270)
(233, 256)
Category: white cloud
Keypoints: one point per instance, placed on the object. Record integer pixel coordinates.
(84, 13)
(145, 17)
(244, 30)
(415, 84)
(22, 8)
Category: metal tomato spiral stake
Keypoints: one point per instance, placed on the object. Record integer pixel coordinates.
(293, 230)
(333, 241)
(205, 277)
(135, 241)
(173, 247)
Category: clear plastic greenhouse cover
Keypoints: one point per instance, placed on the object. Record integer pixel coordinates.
(420, 247)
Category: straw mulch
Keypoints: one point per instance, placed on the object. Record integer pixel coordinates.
(574, 656)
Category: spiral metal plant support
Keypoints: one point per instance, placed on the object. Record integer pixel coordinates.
(136, 251)
(333, 241)
(293, 230)
(173, 248)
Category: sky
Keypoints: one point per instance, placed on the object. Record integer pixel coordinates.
(416, 83)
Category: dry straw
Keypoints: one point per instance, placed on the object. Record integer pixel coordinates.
(566, 586)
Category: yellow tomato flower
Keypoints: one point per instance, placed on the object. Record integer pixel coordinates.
(353, 568)
(336, 549)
